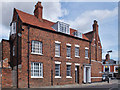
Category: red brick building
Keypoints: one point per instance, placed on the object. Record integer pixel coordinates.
(110, 66)
(57, 54)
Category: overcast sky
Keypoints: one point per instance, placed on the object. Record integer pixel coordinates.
(80, 16)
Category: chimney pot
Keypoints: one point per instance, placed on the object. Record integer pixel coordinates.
(95, 22)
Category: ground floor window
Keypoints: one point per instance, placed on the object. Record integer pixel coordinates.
(57, 69)
(106, 68)
(68, 70)
(115, 68)
(36, 69)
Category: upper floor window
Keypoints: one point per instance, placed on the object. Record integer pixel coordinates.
(57, 49)
(77, 34)
(36, 47)
(61, 27)
(36, 70)
(13, 28)
(13, 50)
(77, 51)
(69, 51)
(86, 52)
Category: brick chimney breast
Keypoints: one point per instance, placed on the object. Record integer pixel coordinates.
(38, 11)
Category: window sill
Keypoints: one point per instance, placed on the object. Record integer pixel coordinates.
(35, 77)
(36, 53)
(68, 57)
(57, 76)
(77, 56)
(57, 56)
(68, 77)
(86, 58)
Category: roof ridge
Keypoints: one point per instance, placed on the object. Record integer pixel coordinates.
(23, 12)
(89, 32)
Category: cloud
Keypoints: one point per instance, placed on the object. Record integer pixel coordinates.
(83, 21)
(4, 32)
(52, 11)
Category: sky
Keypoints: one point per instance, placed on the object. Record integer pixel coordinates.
(79, 15)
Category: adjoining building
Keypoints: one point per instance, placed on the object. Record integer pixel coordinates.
(54, 53)
(110, 66)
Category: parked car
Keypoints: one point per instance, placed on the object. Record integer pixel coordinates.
(104, 77)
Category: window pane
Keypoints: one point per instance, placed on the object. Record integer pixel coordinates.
(57, 69)
(76, 51)
(68, 51)
(106, 69)
(57, 49)
(68, 70)
(86, 52)
(36, 69)
(37, 47)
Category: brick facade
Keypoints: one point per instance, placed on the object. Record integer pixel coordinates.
(40, 30)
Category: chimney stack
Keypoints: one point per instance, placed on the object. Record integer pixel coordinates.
(38, 11)
(95, 29)
(95, 26)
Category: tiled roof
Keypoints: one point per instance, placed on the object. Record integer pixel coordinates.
(32, 20)
(89, 35)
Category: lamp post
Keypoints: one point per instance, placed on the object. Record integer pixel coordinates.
(109, 51)
(109, 68)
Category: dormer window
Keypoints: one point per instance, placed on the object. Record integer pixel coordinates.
(13, 28)
(77, 34)
(61, 27)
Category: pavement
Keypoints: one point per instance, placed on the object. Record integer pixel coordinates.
(112, 84)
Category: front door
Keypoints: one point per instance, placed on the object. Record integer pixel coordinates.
(76, 74)
(87, 74)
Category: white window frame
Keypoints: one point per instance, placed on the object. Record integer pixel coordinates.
(13, 28)
(57, 63)
(40, 45)
(40, 70)
(14, 50)
(115, 68)
(65, 27)
(77, 46)
(86, 48)
(77, 64)
(68, 64)
(68, 45)
(57, 43)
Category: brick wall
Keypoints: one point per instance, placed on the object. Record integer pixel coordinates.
(96, 58)
(6, 78)
(48, 39)
(6, 71)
